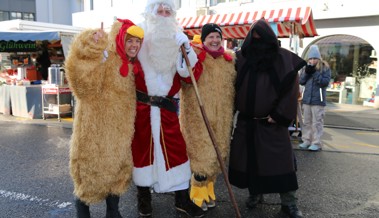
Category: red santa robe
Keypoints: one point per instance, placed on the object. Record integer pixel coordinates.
(158, 148)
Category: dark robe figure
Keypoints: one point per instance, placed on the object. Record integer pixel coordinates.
(267, 87)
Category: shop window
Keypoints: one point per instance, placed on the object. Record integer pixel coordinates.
(28, 16)
(178, 4)
(215, 2)
(4, 15)
(16, 15)
(350, 59)
(91, 5)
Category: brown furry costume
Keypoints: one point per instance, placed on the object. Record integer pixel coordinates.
(216, 88)
(100, 152)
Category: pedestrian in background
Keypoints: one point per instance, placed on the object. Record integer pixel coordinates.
(267, 88)
(315, 78)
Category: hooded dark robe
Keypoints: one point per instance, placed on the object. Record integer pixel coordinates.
(261, 155)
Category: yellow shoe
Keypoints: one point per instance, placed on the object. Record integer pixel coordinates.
(199, 195)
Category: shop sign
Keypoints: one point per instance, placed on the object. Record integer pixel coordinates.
(19, 46)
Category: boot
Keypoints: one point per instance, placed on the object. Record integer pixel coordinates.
(254, 200)
(144, 201)
(292, 211)
(184, 204)
(112, 207)
(82, 210)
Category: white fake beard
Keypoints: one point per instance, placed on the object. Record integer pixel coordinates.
(161, 43)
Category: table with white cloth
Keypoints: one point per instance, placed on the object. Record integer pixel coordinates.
(21, 101)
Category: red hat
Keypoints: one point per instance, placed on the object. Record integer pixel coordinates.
(128, 27)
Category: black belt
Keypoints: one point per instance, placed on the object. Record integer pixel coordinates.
(167, 103)
(244, 116)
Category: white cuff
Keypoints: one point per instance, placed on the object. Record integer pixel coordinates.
(192, 57)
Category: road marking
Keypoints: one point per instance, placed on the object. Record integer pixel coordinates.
(366, 145)
(367, 133)
(24, 197)
(337, 146)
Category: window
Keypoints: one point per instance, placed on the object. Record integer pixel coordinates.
(215, 2)
(15, 15)
(28, 16)
(178, 4)
(4, 15)
(349, 58)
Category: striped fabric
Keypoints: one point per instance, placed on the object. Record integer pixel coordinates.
(237, 25)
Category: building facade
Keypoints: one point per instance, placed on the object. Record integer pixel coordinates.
(345, 31)
(48, 11)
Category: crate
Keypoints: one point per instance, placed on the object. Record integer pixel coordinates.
(63, 108)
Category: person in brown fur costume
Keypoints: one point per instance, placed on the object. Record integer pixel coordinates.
(100, 70)
(215, 74)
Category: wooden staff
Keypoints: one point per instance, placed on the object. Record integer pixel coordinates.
(211, 134)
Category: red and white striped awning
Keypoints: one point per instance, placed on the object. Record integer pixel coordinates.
(236, 25)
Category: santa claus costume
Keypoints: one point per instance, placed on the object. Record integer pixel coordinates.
(159, 150)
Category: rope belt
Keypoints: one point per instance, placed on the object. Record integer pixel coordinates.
(167, 103)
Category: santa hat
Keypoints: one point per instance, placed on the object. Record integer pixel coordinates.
(210, 28)
(129, 29)
(314, 52)
(167, 2)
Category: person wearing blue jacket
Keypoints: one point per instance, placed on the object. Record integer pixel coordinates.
(315, 78)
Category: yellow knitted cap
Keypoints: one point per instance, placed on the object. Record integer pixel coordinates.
(135, 31)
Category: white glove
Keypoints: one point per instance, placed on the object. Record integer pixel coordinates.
(181, 39)
(192, 57)
(181, 67)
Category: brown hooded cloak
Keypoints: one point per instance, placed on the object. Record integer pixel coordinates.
(261, 155)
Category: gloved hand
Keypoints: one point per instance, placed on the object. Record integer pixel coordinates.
(181, 39)
(310, 69)
(181, 66)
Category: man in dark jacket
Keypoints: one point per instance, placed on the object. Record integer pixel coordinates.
(261, 156)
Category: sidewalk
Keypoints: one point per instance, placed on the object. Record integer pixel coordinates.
(351, 117)
(336, 116)
(65, 122)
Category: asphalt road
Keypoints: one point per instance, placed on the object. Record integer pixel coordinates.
(340, 181)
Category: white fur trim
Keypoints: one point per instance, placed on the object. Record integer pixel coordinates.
(142, 176)
(192, 57)
(168, 2)
(181, 67)
(156, 175)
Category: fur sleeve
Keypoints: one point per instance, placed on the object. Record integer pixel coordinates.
(84, 65)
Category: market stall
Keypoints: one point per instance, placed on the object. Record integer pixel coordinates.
(294, 23)
(5, 100)
(28, 52)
